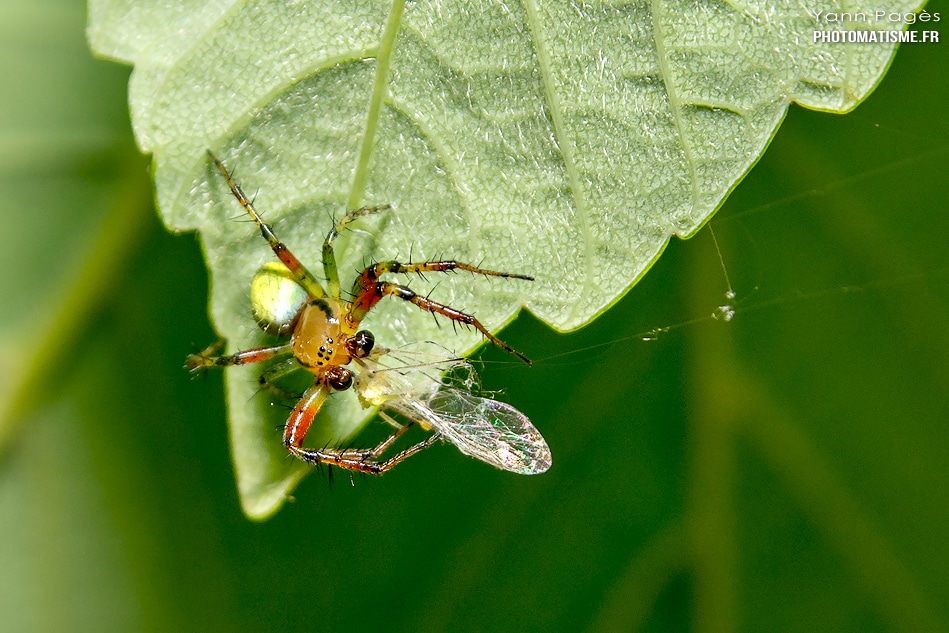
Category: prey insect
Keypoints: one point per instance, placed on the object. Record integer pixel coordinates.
(410, 382)
(325, 339)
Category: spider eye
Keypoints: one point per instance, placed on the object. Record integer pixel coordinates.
(276, 298)
(339, 378)
(360, 344)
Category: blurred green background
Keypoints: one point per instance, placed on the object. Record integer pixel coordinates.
(782, 471)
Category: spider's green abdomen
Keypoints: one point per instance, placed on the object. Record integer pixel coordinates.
(276, 298)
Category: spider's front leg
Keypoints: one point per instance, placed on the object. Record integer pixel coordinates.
(361, 460)
(207, 359)
(368, 291)
(303, 276)
(329, 255)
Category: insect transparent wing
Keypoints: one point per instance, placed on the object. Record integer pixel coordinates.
(409, 381)
(492, 431)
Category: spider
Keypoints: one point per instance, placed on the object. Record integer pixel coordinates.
(326, 340)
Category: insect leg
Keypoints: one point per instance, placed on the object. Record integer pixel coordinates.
(299, 271)
(368, 296)
(329, 256)
(206, 359)
(277, 372)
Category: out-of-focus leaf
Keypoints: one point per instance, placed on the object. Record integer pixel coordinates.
(70, 218)
(75, 195)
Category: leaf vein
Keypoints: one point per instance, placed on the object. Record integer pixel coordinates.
(383, 60)
(566, 151)
(674, 103)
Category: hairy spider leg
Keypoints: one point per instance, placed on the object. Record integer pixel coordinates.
(412, 450)
(368, 291)
(303, 276)
(361, 460)
(206, 359)
(329, 256)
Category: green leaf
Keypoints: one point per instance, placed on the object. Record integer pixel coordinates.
(565, 141)
(822, 506)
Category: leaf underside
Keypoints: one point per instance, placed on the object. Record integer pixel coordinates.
(564, 141)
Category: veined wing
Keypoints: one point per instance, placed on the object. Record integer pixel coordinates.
(491, 431)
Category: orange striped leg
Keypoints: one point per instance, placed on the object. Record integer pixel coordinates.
(371, 275)
(368, 291)
(206, 359)
(360, 460)
(380, 289)
(299, 271)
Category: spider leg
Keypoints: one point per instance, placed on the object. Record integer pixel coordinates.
(412, 450)
(368, 291)
(206, 359)
(367, 460)
(373, 272)
(329, 256)
(303, 276)
(361, 460)
(278, 371)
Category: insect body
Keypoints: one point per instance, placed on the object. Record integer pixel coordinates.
(326, 340)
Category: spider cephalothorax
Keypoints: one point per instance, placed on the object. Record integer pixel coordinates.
(325, 340)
